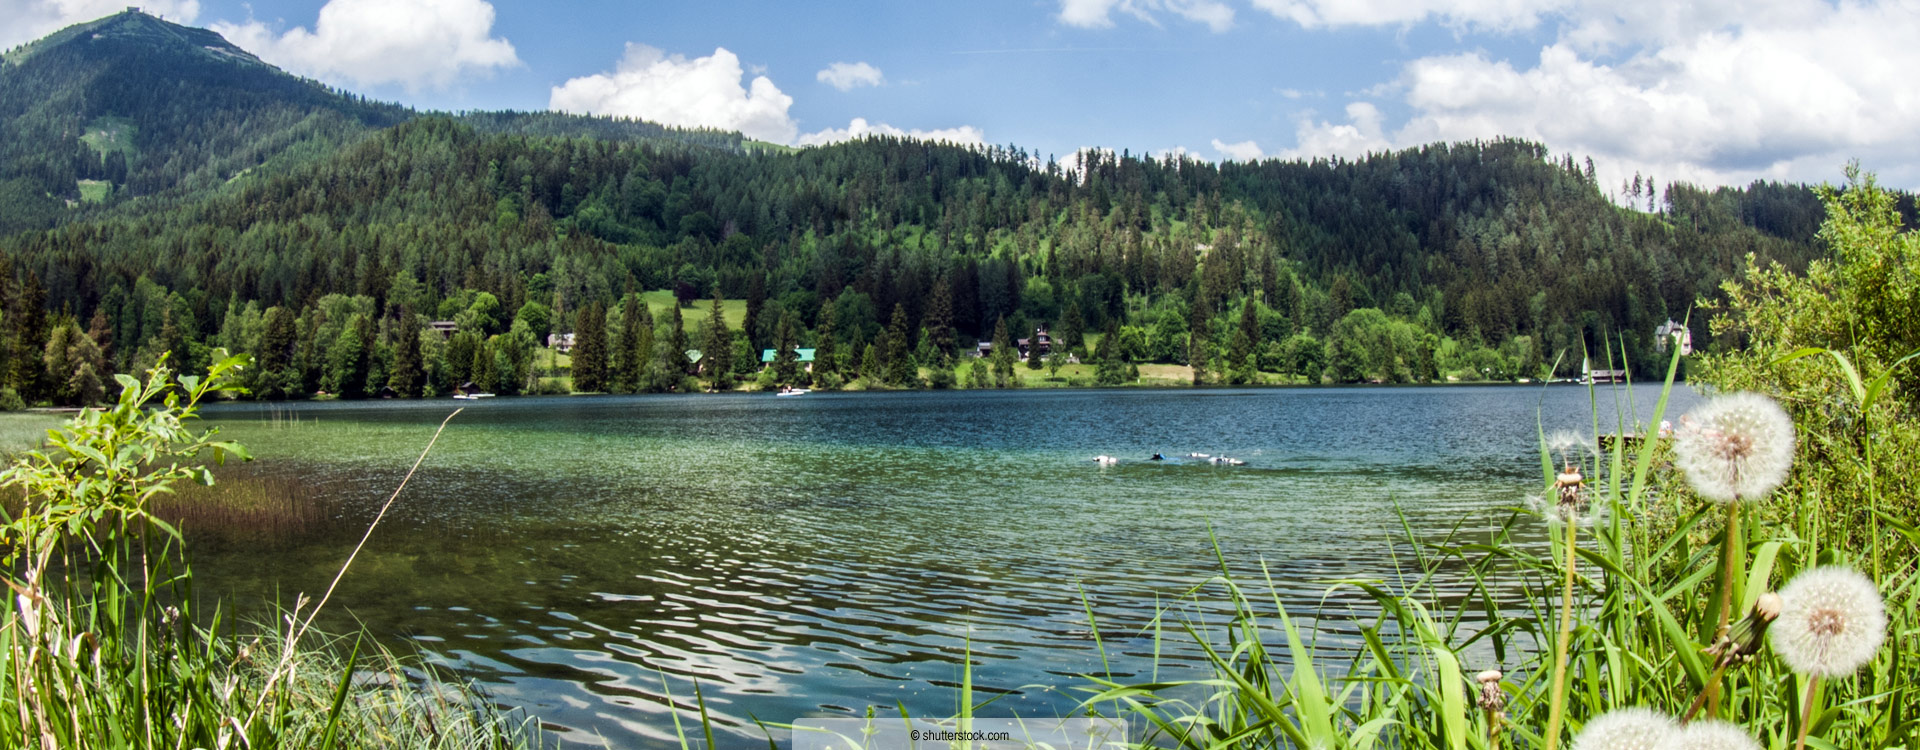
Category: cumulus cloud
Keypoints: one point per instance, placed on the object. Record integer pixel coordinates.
(1721, 106)
(27, 20)
(414, 43)
(674, 90)
(849, 76)
(1712, 92)
(1243, 151)
(1098, 14)
(1358, 136)
(965, 135)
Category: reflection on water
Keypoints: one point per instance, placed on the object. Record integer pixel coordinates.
(818, 556)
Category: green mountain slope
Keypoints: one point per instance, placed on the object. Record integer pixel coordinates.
(1488, 257)
(150, 107)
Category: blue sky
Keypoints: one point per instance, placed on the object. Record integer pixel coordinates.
(1713, 91)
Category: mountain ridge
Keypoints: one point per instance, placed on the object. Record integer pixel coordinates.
(1481, 257)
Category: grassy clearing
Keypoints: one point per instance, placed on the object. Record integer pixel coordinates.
(108, 134)
(95, 191)
(661, 303)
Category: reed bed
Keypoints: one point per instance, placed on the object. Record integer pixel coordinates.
(100, 646)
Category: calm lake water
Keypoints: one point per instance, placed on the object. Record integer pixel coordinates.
(817, 556)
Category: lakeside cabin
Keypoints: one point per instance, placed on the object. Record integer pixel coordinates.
(802, 356)
(1040, 343)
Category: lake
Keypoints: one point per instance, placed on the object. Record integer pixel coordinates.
(821, 555)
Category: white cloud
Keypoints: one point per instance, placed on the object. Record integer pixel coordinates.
(1358, 136)
(1098, 14)
(414, 43)
(1712, 92)
(27, 20)
(848, 76)
(1721, 106)
(1504, 15)
(965, 135)
(674, 90)
(1242, 151)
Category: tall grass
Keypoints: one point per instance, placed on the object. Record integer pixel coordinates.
(1643, 606)
(100, 646)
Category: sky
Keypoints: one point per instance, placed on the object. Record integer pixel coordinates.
(1713, 92)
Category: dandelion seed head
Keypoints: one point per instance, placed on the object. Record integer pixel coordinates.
(1569, 446)
(1625, 729)
(1832, 621)
(1586, 515)
(1709, 735)
(1735, 447)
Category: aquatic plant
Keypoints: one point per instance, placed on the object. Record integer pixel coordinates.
(101, 647)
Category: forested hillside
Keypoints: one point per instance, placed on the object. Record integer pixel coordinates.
(1486, 259)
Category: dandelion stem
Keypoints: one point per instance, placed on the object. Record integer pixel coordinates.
(1806, 713)
(1729, 548)
(1710, 689)
(1558, 698)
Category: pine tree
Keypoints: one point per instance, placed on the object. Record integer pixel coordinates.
(756, 303)
(1072, 333)
(1003, 355)
(977, 376)
(1112, 368)
(717, 357)
(409, 371)
(677, 342)
(786, 358)
(939, 324)
(1199, 347)
(29, 333)
(629, 361)
(590, 349)
(275, 357)
(101, 331)
(486, 371)
(1245, 338)
(899, 365)
(825, 345)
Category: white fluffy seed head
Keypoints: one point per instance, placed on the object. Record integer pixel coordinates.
(1710, 735)
(1832, 621)
(1735, 447)
(1625, 729)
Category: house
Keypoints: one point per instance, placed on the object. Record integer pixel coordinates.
(1674, 332)
(802, 356)
(561, 342)
(446, 328)
(1040, 343)
(985, 349)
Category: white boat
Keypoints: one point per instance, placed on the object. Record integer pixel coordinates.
(794, 392)
(472, 396)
